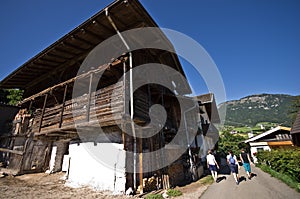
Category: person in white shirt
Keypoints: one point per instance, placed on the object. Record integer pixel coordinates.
(212, 165)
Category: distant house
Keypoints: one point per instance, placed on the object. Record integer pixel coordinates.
(274, 138)
(295, 132)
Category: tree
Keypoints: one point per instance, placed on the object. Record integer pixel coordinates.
(228, 141)
(14, 96)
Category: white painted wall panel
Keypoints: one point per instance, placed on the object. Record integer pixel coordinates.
(100, 166)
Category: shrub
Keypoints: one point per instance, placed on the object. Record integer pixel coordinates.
(154, 196)
(207, 180)
(174, 192)
(285, 161)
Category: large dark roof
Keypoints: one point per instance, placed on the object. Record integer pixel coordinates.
(71, 49)
(296, 125)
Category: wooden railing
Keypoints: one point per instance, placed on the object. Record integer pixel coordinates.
(100, 107)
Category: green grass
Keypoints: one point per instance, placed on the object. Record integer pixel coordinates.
(174, 192)
(207, 180)
(284, 178)
(247, 130)
(154, 196)
(170, 193)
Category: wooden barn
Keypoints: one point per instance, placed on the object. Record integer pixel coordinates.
(74, 108)
(295, 131)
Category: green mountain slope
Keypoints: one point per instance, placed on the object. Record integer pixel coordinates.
(250, 110)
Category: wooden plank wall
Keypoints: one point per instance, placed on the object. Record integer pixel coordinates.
(36, 157)
(76, 110)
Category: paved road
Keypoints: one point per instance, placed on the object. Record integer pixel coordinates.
(263, 186)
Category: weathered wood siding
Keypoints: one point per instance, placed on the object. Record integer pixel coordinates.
(105, 108)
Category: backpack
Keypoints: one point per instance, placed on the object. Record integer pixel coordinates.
(231, 160)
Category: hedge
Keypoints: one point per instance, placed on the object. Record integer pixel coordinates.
(285, 161)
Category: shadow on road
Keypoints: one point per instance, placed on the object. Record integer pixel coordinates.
(242, 178)
(224, 169)
(219, 179)
(253, 175)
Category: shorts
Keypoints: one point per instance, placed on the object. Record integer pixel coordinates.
(234, 168)
(247, 167)
(212, 167)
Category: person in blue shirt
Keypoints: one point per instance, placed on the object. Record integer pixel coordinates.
(234, 166)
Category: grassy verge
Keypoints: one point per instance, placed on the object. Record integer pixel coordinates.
(154, 196)
(207, 180)
(284, 178)
(173, 193)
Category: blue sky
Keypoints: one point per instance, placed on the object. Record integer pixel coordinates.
(255, 44)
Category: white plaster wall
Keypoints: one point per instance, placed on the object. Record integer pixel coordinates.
(101, 167)
(52, 159)
(253, 150)
(65, 165)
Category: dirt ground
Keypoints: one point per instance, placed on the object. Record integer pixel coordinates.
(42, 185)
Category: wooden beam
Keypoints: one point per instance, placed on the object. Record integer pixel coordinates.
(63, 106)
(141, 163)
(43, 111)
(57, 70)
(76, 47)
(11, 151)
(99, 69)
(44, 59)
(83, 40)
(281, 143)
(124, 136)
(30, 105)
(88, 107)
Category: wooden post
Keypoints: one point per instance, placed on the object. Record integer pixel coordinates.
(165, 175)
(141, 162)
(124, 87)
(30, 105)
(124, 137)
(63, 106)
(124, 123)
(151, 148)
(88, 107)
(43, 111)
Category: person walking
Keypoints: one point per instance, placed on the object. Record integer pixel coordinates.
(212, 165)
(246, 160)
(234, 166)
